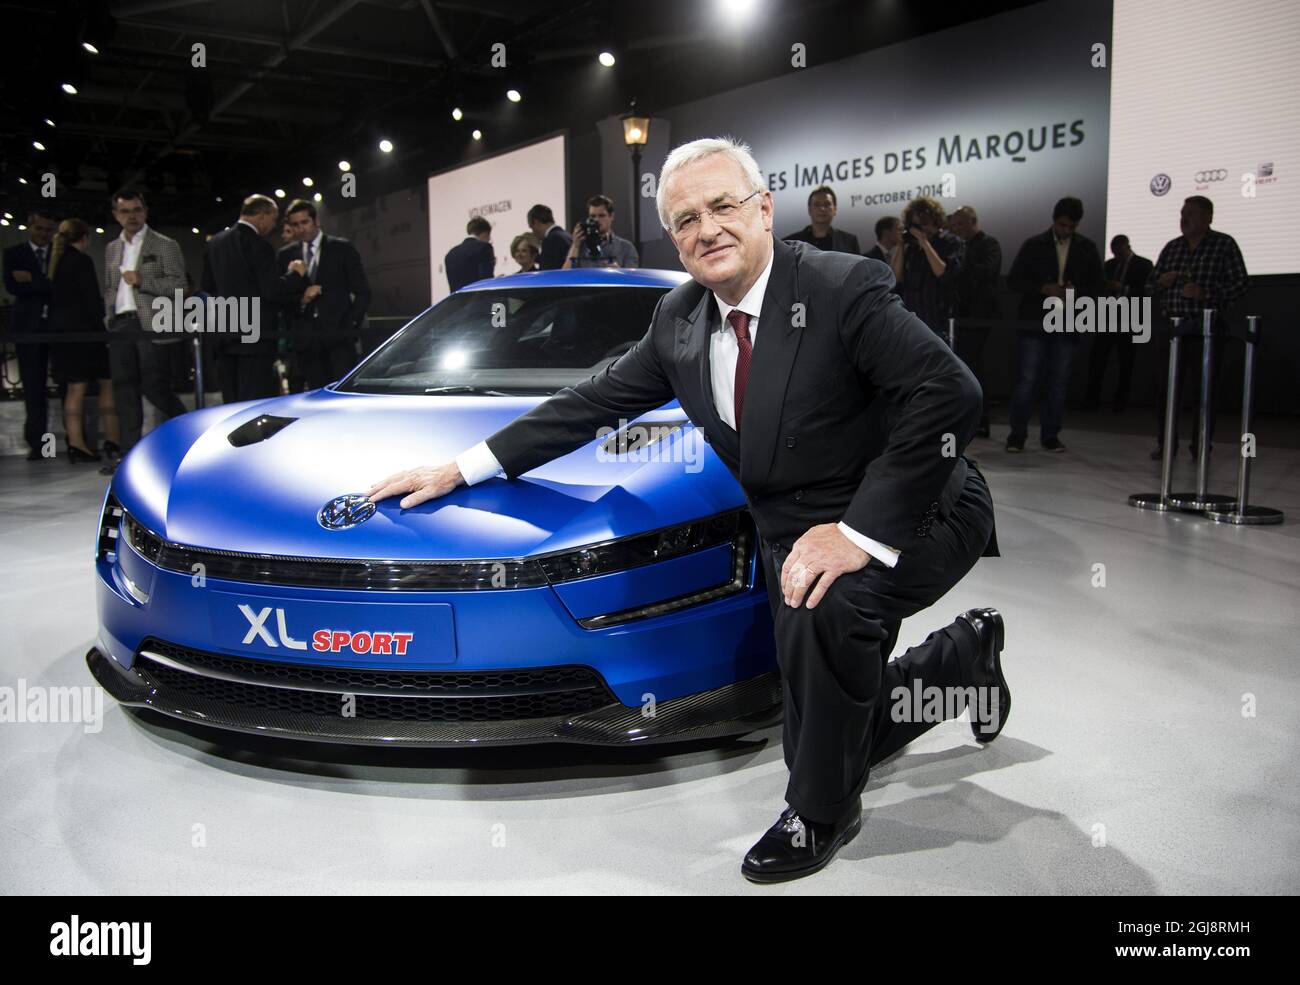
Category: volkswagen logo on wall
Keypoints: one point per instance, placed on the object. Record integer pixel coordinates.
(344, 512)
(1161, 184)
(1219, 174)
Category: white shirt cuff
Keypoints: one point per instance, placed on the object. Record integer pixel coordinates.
(478, 464)
(885, 555)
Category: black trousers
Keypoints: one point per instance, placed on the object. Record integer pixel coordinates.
(34, 371)
(837, 680)
(140, 369)
(320, 365)
(1103, 344)
(250, 377)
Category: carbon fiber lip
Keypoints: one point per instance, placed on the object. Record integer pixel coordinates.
(733, 709)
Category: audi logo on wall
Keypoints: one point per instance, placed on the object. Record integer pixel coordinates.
(1218, 174)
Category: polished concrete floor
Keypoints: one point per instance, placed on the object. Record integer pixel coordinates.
(1152, 748)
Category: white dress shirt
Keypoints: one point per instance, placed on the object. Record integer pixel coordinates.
(478, 463)
(130, 261)
(1062, 253)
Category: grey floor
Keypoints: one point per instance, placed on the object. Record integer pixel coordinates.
(1127, 766)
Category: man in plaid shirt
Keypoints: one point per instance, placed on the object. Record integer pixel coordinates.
(1201, 269)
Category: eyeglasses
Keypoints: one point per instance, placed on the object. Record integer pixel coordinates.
(688, 223)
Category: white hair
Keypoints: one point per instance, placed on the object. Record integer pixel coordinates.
(689, 153)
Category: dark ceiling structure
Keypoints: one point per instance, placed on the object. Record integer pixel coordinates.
(102, 94)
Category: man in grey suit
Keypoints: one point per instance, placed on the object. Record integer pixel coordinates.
(140, 265)
(843, 418)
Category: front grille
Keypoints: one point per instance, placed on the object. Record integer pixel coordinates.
(621, 554)
(379, 695)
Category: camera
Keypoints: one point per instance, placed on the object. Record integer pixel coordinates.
(592, 246)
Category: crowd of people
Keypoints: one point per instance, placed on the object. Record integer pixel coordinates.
(312, 296)
(946, 268)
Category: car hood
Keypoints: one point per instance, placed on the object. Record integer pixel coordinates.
(188, 483)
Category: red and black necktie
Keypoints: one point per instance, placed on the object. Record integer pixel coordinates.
(740, 325)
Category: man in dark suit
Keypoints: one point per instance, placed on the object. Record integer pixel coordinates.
(977, 294)
(241, 265)
(472, 259)
(1126, 277)
(844, 425)
(1047, 266)
(822, 208)
(554, 239)
(889, 233)
(325, 322)
(26, 267)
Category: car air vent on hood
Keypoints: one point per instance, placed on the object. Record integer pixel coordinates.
(635, 437)
(258, 429)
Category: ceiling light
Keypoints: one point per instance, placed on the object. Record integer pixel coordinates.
(477, 134)
(513, 95)
(606, 58)
(457, 115)
(69, 88)
(386, 146)
(345, 166)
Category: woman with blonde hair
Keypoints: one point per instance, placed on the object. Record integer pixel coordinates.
(77, 305)
(526, 248)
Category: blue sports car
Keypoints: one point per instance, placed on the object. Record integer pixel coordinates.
(611, 596)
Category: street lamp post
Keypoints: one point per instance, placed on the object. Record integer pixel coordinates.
(636, 131)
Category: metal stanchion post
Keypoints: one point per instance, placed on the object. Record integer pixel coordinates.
(197, 342)
(952, 334)
(1245, 513)
(1202, 499)
(1160, 501)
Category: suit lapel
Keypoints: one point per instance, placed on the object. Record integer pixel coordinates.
(693, 340)
(769, 372)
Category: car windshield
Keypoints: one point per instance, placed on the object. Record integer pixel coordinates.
(509, 341)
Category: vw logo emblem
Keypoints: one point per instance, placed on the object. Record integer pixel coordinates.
(1220, 174)
(1161, 184)
(344, 512)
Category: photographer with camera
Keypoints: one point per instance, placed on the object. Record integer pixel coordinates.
(928, 264)
(594, 241)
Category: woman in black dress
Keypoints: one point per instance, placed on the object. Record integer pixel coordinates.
(77, 305)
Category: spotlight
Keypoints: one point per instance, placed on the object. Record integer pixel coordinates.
(90, 47)
(307, 182)
(22, 181)
(100, 230)
(38, 145)
(49, 122)
(8, 215)
(69, 88)
(218, 198)
(477, 134)
(457, 115)
(345, 166)
(513, 95)
(22, 225)
(606, 58)
(4, 222)
(279, 193)
(386, 146)
(194, 230)
(318, 197)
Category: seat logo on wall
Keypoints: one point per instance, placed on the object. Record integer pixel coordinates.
(1161, 184)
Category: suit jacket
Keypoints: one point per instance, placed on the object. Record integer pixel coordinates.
(977, 283)
(241, 264)
(841, 242)
(555, 247)
(877, 253)
(1135, 277)
(161, 269)
(849, 405)
(344, 297)
(1035, 265)
(469, 261)
(32, 298)
(76, 303)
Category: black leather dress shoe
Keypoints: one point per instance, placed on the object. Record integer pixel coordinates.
(794, 847)
(987, 673)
